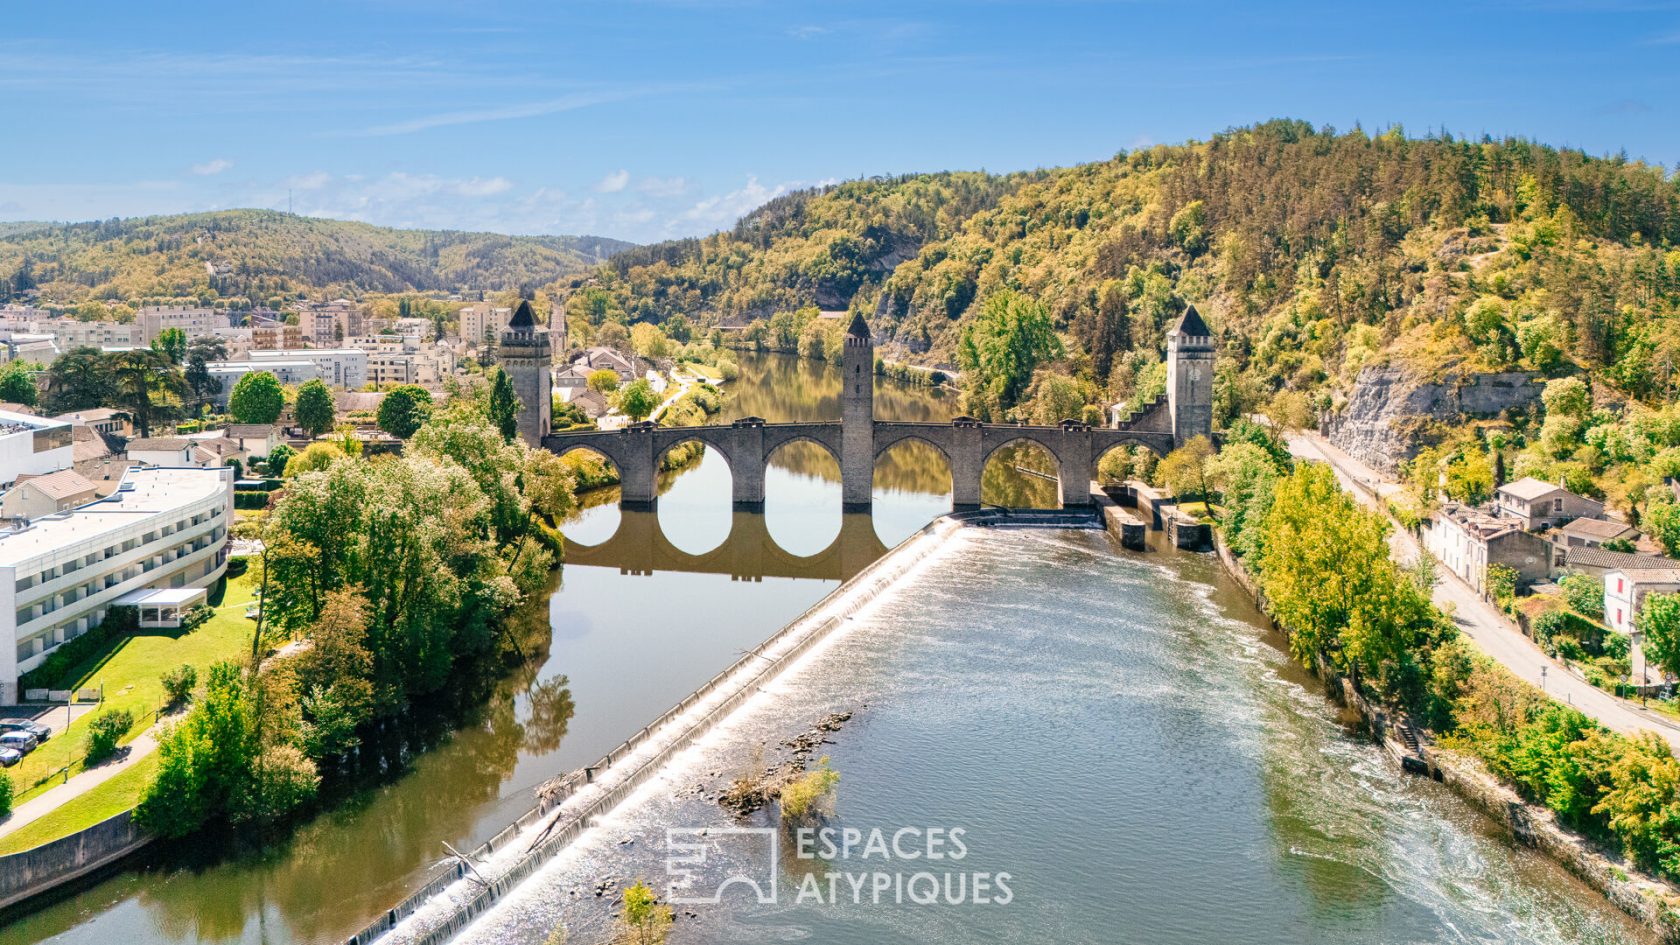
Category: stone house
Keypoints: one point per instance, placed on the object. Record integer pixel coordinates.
(1625, 592)
(1599, 562)
(596, 359)
(1538, 504)
(255, 439)
(1468, 541)
(35, 496)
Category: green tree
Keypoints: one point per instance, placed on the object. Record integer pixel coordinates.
(1662, 522)
(1000, 347)
(172, 344)
(1659, 621)
(504, 405)
(5, 795)
(17, 385)
(315, 411)
(80, 379)
(1584, 593)
(1186, 470)
(104, 730)
(644, 920)
(603, 381)
(257, 398)
(146, 387)
(200, 382)
(278, 458)
(403, 410)
(637, 399)
(1470, 477)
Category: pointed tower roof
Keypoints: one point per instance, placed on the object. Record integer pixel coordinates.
(1192, 325)
(859, 328)
(523, 318)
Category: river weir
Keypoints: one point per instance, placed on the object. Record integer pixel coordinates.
(1115, 734)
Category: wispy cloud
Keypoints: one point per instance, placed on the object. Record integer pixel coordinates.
(212, 167)
(613, 183)
(553, 106)
(663, 186)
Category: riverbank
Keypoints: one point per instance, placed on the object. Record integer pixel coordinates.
(1645, 898)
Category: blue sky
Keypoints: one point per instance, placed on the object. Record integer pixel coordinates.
(645, 119)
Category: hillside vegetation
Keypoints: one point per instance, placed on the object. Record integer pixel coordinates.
(1311, 253)
(261, 256)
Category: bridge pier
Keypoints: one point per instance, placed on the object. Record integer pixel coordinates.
(747, 472)
(967, 459)
(638, 468)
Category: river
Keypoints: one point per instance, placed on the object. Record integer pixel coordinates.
(1115, 730)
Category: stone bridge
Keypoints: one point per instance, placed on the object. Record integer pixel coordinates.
(857, 440)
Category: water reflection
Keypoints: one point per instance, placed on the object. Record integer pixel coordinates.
(1021, 475)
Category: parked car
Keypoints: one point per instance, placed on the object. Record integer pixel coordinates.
(20, 742)
(9, 757)
(41, 732)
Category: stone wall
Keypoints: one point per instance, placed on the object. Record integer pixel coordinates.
(1389, 414)
(37, 870)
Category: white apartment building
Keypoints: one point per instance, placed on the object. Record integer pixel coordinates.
(33, 445)
(483, 323)
(153, 319)
(338, 367)
(227, 373)
(162, 528)
(75, 333)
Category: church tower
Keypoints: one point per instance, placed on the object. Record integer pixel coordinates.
(857, 416)
(525, 354)
(1190, 377)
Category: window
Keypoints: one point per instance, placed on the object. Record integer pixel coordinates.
(1618, 587)
(1557, 505)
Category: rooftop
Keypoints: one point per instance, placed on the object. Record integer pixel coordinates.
(63, 484)
(1652, 575)
(1616, 560)
(144, 493)
(1478, 523)
(1598, 528)
(1530, 488)
(1191, 325)
(158, 443)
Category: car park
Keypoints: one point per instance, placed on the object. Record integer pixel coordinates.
(41, 732)
(21, 742)
(9, 757)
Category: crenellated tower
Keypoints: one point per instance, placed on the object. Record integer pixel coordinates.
(527, 357)
(1190, 377)
(857, 416)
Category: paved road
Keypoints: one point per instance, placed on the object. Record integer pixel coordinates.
(80, 783)
(1480, 620)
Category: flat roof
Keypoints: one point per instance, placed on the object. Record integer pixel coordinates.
(145, 492)
(161, 596)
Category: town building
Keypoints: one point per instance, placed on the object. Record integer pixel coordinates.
(75, 333)
(31, 346)
(482, 323)
(627, 367)
(327, 324)
(254, 439)
(273, 336)
(1468, 541)
(97, 456)
(226, 374)
(1598, 562)
(99, 419)
(1539, 504)
(162, 529)
(1592, 533)
(1625, 591)
(196, 322)
(528, 359)
(31, 445)
(35, 496)
(338, 367)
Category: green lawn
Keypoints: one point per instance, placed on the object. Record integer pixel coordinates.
(130, 670)
(107, 800)
(703, 370)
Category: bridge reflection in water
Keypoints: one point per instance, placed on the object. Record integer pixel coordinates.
(640, 546)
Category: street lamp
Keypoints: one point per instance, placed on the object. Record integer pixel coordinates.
(1542, 679)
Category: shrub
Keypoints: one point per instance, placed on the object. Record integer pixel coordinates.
(1585, 594)
(1548, 625)
(197, 617)
(5, 795)
(180, 682)
(72, 653)
(811, 794)
(104, 731)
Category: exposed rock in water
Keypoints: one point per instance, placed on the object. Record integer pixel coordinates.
(761, 784)
(1391, 414)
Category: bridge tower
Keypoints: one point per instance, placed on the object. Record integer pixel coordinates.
(527, 358)
(857, 417)
(1190, 377)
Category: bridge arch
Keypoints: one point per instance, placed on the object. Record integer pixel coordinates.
(1031, 487)
(697, 483)
(1104, 456)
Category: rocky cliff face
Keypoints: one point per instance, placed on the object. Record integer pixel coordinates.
(1391, 415)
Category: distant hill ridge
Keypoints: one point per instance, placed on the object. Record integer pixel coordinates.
(263, 254)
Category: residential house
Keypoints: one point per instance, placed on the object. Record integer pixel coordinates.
(327, 324)
(98, 419)
(1592, 533)
(254, 439)
(97, 456)
(482, 323)
(1539, 504)
(31, 445)
(592, 403)
(161, 451)
(35, 496)
(1468, 541)
(195, 322)
(1599, 562)
(1625, 591)
(627, 367)
(226, 374)
(569, 381)
(161, 529)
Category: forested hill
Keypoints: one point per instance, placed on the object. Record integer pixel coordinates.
(262, 255)
(1311, 253)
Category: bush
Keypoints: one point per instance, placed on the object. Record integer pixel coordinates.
(71, 653)
(5, 795)
(197, 617)
(180, 682)
(238, 566)
(811, 794)
(104, 731)
(1585, 594)
(252, 500)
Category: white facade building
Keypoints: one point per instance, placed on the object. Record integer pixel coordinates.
(153, 319)
(33, 445)
(1625, 590)
(338, 367)
(75, 333)
(162, 528)
(227, 373)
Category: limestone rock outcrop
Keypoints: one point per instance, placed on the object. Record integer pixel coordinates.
(1391, 414)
